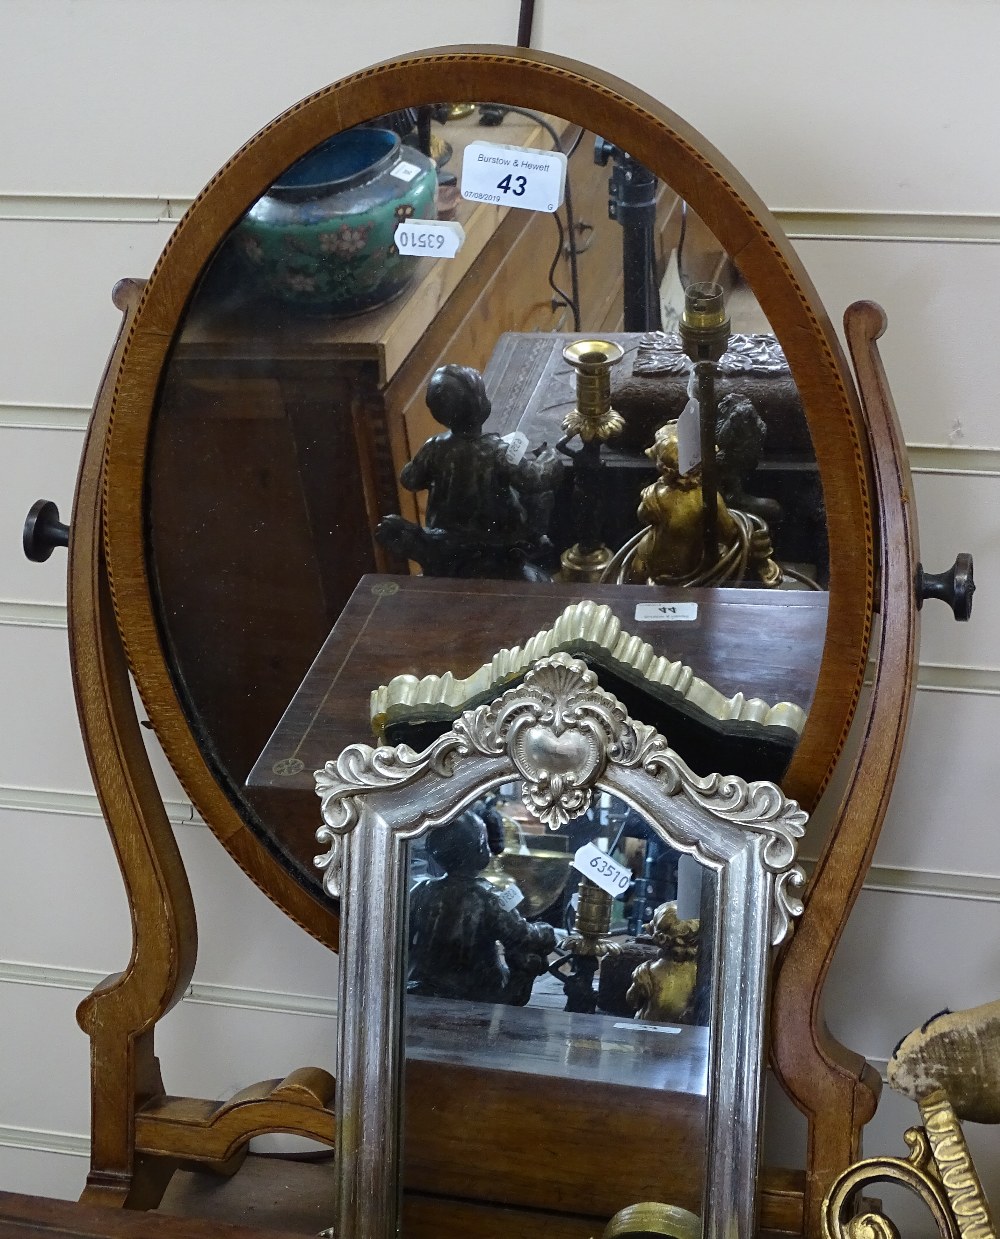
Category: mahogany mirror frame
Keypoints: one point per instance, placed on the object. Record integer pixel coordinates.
(138, 1132)
(713, 189)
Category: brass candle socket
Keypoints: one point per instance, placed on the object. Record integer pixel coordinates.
(593, 919)
(704, 327)
(593, 418)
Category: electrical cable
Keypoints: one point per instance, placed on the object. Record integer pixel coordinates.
(802, 577)
(573, 298)
(576, 142)
(730, 566)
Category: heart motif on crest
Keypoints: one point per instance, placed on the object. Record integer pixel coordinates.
(558, 768)
(538, 752)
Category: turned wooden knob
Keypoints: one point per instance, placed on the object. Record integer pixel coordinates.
(43, 531)
(955, 587)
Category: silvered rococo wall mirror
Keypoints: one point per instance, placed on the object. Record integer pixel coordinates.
(262, 487)
(569, 742)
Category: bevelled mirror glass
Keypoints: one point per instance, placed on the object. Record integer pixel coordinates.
(600, 995)
(492, 1030)
(417, 377)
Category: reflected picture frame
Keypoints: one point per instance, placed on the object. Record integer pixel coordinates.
(565, 739)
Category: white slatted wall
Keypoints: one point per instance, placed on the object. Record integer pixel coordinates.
(869, 127)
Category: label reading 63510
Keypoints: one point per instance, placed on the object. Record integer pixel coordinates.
(602, 870)
(429, 238)
(515, 176)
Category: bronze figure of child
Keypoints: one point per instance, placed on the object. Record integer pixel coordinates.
(486, 513)
(463, 942)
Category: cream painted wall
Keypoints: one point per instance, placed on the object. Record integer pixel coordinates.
(868, 127)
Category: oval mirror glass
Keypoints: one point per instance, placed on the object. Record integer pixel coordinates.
(456, 377)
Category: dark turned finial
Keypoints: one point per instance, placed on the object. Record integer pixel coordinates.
(955, 587)
(43, 531)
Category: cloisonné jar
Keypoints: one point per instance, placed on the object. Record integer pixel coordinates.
(322, 236)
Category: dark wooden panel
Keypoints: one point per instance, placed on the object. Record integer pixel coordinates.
(31, 1217)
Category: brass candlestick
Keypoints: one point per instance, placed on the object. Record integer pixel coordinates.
(593, 919)
(704, 332)
(593, 418)
(594, 421)
(584, 947)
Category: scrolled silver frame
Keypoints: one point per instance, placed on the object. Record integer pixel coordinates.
(566, 738)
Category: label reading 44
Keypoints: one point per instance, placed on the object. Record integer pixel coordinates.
(516, 176)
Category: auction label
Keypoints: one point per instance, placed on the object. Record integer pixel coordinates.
(517, 445)
(516, 176)
(658, 612)
(404, 171)
(602, 870)
(429, 238)
(689, 438)
(510, 897)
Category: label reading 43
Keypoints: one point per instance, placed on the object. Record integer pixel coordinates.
(602, 870)
(516, 176)
(429, 238)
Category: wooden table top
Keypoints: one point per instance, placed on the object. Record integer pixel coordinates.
(564, 1045)
(37, 1217)
(763, 643)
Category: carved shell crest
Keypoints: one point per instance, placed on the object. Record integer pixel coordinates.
(560, 730)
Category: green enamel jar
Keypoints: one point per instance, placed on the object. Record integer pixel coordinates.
(322, 236)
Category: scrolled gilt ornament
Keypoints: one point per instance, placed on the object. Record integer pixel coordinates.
(938, 1169)
(959, 1178)
(871, 1226)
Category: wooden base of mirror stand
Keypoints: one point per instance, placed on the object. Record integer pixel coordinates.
(140, 1135)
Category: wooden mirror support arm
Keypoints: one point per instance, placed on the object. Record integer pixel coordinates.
(120, 1015)
(825, 1079)
(139, 1135)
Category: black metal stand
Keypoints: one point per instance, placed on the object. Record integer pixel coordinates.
(632, 203)
(578, 982)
